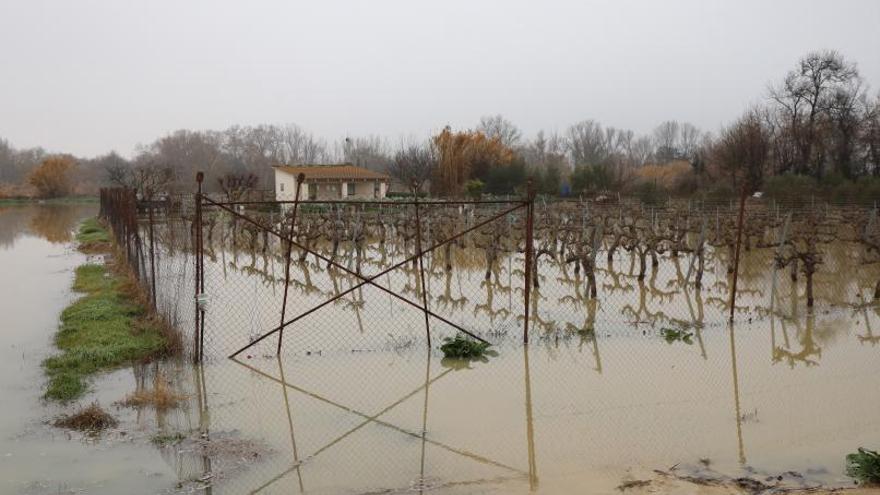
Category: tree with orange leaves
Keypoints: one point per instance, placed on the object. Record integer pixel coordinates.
(51, 178)
(466, 155)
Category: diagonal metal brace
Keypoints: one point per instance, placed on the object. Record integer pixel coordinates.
(364, 280)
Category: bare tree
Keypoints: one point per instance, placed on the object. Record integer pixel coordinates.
(640, 151)
(301, 147)
(369, 152)
(496, 126)
(237, 186)
(413, 165)
(872, 137)
(742, 151)
(150, 177)
(804, 98)
(544, 151)
(666, 140)
(848, 111)
(689, 141)
(587, 143)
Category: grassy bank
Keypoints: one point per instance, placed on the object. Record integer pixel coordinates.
(107, 327)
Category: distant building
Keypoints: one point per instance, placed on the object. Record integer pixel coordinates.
(330, 182)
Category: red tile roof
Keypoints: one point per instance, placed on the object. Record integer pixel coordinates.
(333, 172)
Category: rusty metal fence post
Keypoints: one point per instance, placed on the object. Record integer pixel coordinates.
(739, 231)
(299, 182)
(198, 335)
(420, 255)
(527, 290)
(151, 234)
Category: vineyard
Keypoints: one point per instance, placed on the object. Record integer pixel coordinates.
(351, 279)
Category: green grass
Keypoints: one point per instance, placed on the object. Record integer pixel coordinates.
(100, 331)
(864, 466)
(463, 347)
(91, 232)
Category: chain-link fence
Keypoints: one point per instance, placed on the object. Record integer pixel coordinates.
(351, 290)
(262, 278)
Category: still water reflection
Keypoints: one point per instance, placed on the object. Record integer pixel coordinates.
(789, 391)
(549, 418)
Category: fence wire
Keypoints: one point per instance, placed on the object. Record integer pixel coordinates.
(605, 278)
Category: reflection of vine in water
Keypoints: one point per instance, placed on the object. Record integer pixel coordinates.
(446, 300)
(489, 306)
(869, 336)
(547, 326)
(587, 331)
(644, 315)
(805, 338)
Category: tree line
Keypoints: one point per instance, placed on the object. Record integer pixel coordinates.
(818, 124)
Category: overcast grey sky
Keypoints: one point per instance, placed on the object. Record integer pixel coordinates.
(90, 76)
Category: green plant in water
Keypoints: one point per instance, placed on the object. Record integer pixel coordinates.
(864, 466)
(463, 347)
(677, 335)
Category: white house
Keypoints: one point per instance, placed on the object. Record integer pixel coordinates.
(330, 182)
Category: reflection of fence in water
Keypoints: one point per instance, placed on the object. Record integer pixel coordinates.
(555, 407)
(570, 369)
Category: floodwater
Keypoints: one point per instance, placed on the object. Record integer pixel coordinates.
(36, 270)
(357, 404)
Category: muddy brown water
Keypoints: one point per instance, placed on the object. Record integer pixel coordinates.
(571, 413)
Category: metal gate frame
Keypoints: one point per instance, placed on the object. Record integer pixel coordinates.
(202, 201)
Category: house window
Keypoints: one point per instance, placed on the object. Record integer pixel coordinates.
(349, 188)
(281, 186)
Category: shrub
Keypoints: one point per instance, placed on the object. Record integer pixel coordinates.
(90, 419)
(463, 347)
(586, 178)
(474, 188)
(51, 178)
(649, 193)
(665, 176)
(790, 187)
(864, 466)
(721, 192)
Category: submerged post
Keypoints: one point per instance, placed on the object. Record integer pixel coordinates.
(421, 262)
(739, 230)
(530, 203)
(299, 181)
(199, 278)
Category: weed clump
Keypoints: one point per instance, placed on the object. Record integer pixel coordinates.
(90, 419)
(864, 466)
(463, 347)
(161, 396)
(165, 439)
